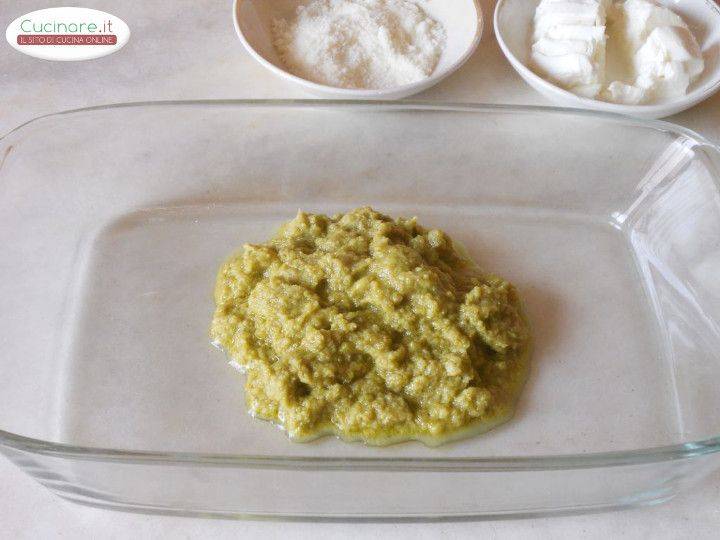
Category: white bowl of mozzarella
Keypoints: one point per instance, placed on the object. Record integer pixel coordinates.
(623, 57)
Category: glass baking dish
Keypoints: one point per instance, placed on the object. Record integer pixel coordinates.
(114, 220)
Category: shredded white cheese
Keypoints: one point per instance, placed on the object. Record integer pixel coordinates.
(360, 43)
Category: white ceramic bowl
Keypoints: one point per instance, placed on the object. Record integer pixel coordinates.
(513, 29)
(462, 19)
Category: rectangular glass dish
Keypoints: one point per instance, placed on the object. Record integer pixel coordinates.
(114, 221)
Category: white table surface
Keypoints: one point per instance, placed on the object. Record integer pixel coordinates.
(186, 49)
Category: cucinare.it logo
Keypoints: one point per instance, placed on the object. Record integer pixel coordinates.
(67, 33)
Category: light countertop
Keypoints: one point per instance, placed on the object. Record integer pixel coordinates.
(187, 49)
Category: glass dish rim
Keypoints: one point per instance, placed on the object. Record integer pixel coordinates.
(679, 451)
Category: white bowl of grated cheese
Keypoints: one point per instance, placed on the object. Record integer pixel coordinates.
(446, 33)
(514, 22)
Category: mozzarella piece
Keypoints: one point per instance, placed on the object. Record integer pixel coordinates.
(627, 94)
(569, 43)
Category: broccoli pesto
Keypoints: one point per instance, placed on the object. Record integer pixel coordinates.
(372, 329)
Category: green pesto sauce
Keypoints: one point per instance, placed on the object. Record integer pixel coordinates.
(372, 329)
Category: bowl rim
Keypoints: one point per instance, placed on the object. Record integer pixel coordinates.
(665, 108)
(12, 442)
(352, 93)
